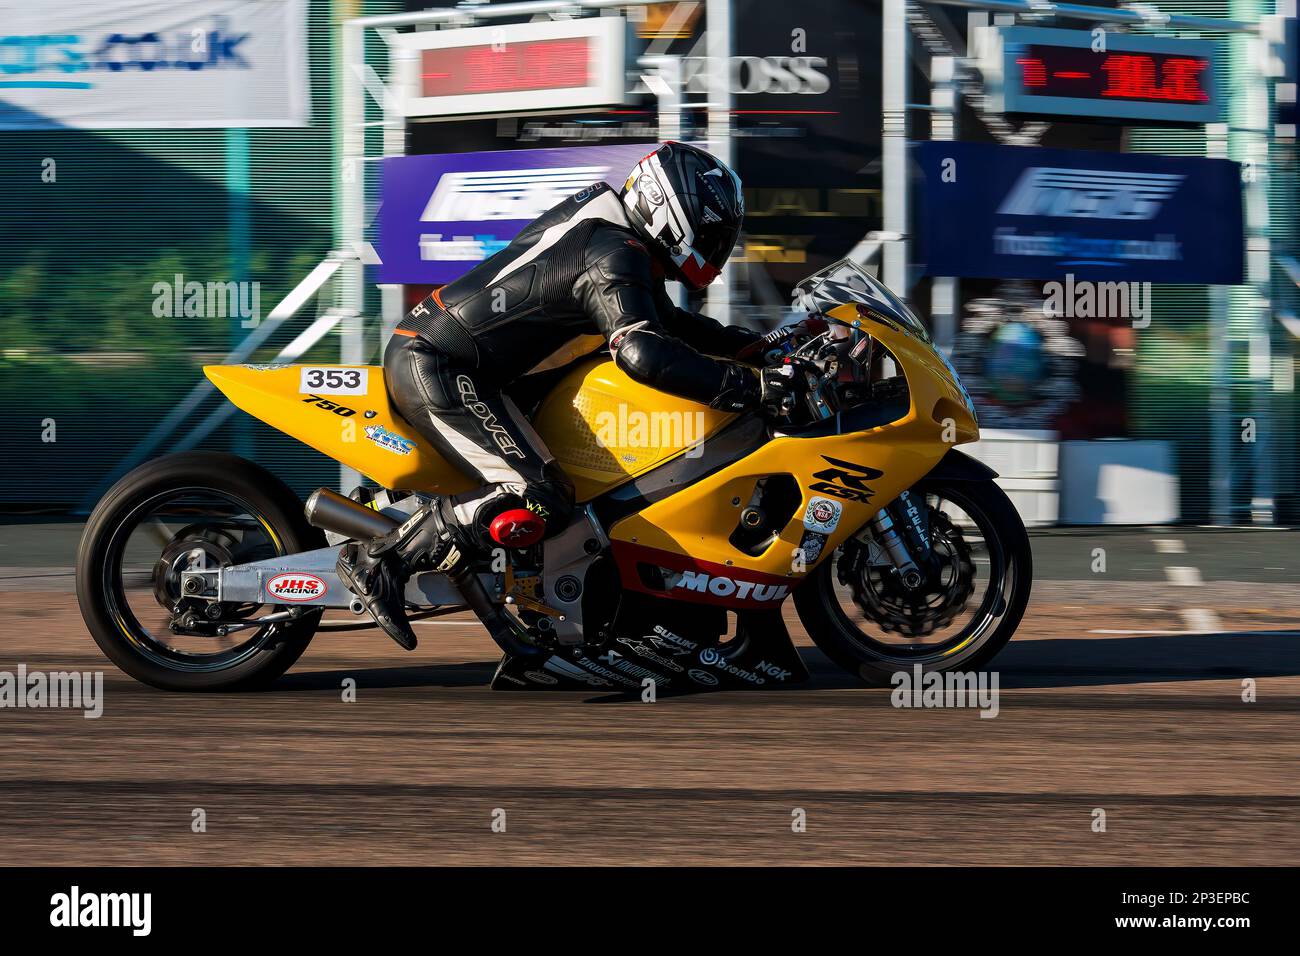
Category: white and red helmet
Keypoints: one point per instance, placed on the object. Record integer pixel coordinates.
(689, 207)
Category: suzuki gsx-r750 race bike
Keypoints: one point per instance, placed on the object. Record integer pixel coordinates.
(203, 571)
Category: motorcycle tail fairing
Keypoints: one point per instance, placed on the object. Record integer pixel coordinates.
(342, 411)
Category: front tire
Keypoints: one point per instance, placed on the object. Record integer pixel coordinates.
(850, 643)
(263, 518)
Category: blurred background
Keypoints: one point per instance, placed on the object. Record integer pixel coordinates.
(1092, 206)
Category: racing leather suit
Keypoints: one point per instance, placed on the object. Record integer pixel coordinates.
(573, 281)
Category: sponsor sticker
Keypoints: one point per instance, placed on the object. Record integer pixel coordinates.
(721, 586)
(811, 545)
(823, 515)
(388, 440)
(295, 587)
(646, 647)
(563, 668)
(702, 677)
(712, 657)
(327, 380)
(681, 644)
(650, 189)
(772, 670)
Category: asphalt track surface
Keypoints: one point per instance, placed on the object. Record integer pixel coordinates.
(1121, 693)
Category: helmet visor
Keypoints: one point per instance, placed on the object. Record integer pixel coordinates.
(715, 241)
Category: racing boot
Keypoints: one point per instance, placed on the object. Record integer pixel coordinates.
(376, 571)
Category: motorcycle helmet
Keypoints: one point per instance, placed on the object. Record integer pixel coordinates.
(688, 206)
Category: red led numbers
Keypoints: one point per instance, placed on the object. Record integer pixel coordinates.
(1136, 76)
(507, 68)
(1079, 73)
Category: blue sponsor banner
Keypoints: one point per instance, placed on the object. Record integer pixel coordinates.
(444, 214)
(1016, 212)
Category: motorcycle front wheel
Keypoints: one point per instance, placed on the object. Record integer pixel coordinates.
(859, 614)
(197, 510)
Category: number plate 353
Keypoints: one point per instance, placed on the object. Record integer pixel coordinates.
(333, 380)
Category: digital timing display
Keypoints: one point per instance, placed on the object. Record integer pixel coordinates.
(562, 63)
(1142, 77)
(1108, 75)
(551, 66)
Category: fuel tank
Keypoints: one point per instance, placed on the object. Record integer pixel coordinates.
(604, 428)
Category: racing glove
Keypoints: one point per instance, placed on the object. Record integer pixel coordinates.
(741, 389)
(781, 386)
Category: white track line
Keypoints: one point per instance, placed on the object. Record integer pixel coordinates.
(1199, 620)
(1184, 577)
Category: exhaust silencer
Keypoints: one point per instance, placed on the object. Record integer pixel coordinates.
(331, 511)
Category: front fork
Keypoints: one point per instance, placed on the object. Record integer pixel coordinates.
(902, 530)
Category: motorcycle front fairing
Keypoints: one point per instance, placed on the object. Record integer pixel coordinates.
(846, 467)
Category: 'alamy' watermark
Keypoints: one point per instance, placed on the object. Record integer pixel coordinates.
(631, 428)
(76, 690)
(208, 300)
(75, 908)
(951, 689)
(1083, 299)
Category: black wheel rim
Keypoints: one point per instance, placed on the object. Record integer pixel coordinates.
(987, 607)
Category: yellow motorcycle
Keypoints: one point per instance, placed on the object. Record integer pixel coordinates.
(204, 571)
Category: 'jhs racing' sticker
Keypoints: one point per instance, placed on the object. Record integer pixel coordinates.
(295, 587)
(333, 381)
(823, 515)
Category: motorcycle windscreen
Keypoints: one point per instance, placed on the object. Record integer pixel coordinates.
(343, 412)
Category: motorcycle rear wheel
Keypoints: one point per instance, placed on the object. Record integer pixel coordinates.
(844, 637)
(259, 518)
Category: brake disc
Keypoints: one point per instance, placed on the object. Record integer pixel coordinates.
(188, 550)
(879, 592)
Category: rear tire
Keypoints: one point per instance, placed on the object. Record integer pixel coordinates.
(837, 637)
(122, 638)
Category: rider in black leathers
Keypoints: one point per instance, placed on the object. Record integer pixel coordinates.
(588, 273)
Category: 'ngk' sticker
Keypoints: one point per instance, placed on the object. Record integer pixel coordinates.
(295, 587)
